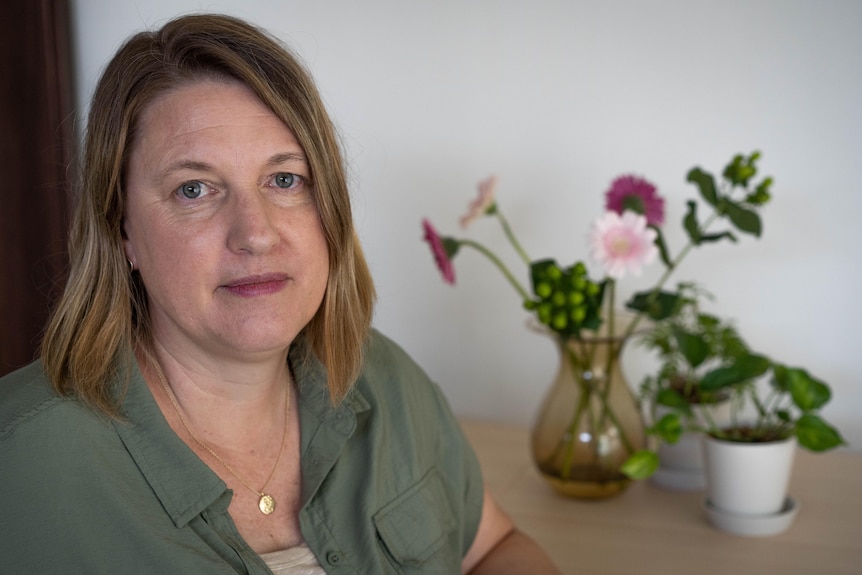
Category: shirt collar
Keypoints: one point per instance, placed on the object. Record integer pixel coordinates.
(325, 428)
(184, 484)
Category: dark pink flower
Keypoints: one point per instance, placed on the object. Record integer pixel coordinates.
(440, 254)
(638, 195)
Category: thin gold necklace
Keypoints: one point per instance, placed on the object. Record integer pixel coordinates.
(266, 503)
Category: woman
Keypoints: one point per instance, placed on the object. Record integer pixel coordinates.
(210, 396)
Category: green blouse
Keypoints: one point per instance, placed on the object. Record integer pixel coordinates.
(389, 483)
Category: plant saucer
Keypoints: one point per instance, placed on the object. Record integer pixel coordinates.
(752, 525)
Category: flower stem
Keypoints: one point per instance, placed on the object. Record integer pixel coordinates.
(500, 265)
(667, 273)
(580, 364)
(511, 235)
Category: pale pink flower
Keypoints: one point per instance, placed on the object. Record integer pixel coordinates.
(622, 243)
(440, 256)
(631, 192)
(483, 202)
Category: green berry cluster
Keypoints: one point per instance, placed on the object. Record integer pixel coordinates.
(566, 300)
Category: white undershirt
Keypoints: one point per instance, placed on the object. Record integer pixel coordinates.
(297, 560)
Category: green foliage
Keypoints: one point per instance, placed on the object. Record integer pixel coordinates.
(693, 347)
(669, 397)
(689, 344)
(669, 428)
(807, 392)
(745, 219)
(741, 213)
(662, 247)
(641, 464)
(741, 169)
(566, 300)
(743, 369)
(704, 359)
(657, 305)
(815, 434)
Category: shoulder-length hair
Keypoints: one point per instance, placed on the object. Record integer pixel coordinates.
(102, 313)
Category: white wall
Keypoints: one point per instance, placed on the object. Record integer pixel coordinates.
(558, 98)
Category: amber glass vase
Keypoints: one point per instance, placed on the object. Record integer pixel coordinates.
(589, 422)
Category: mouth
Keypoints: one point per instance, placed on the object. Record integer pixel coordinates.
(257, 285)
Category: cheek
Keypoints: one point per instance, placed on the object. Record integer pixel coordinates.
(164, 250)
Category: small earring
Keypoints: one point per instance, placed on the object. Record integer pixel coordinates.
(131, 265)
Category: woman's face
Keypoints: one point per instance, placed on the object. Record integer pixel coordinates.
(222, 224)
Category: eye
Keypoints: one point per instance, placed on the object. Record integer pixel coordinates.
(193, 190)
(286, 181)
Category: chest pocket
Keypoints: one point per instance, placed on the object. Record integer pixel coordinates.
(419, 530)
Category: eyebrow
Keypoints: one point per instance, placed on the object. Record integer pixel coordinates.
(193, 165)
(285, 158)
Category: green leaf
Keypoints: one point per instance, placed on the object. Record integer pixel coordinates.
(807, 392)
(741, 169)
(760, 195)
(641, 464)
(693, 346)
(745, 368)
(690, 223)
(708, 321)
(744, 219)
(780, 379)
(705, 183)
(717, 237)
(657, 305)
(672, 398)
(668, 428)
(662, 247)
(815, 434)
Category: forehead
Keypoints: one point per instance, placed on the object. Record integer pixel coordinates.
(211, 118)
(203, 103)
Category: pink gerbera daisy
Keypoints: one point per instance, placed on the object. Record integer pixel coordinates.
(638, 195)
(440, 254)
(483, 203)
(622, 243)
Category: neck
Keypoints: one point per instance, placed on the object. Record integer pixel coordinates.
(227, 402)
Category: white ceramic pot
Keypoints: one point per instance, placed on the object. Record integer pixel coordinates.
(748, 478)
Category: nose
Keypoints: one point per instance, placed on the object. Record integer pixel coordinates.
(252, 226)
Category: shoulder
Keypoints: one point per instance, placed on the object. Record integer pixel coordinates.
(34, 418)
(400, 390)
(383, 354)
(25, 395)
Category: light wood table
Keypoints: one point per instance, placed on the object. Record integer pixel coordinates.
(651, 530)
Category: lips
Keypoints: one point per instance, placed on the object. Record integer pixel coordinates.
(257, 285)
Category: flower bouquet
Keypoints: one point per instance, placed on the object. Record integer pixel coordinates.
(585, 455)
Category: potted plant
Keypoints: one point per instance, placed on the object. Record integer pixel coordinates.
(749, 457)
(688, 344)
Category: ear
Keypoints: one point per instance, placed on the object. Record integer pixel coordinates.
(128, 246)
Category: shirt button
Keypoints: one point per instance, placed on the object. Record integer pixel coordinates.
(333, 558)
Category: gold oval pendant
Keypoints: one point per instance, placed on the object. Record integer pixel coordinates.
(266, 504)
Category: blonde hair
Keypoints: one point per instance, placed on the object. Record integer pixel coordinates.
(102, 313)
